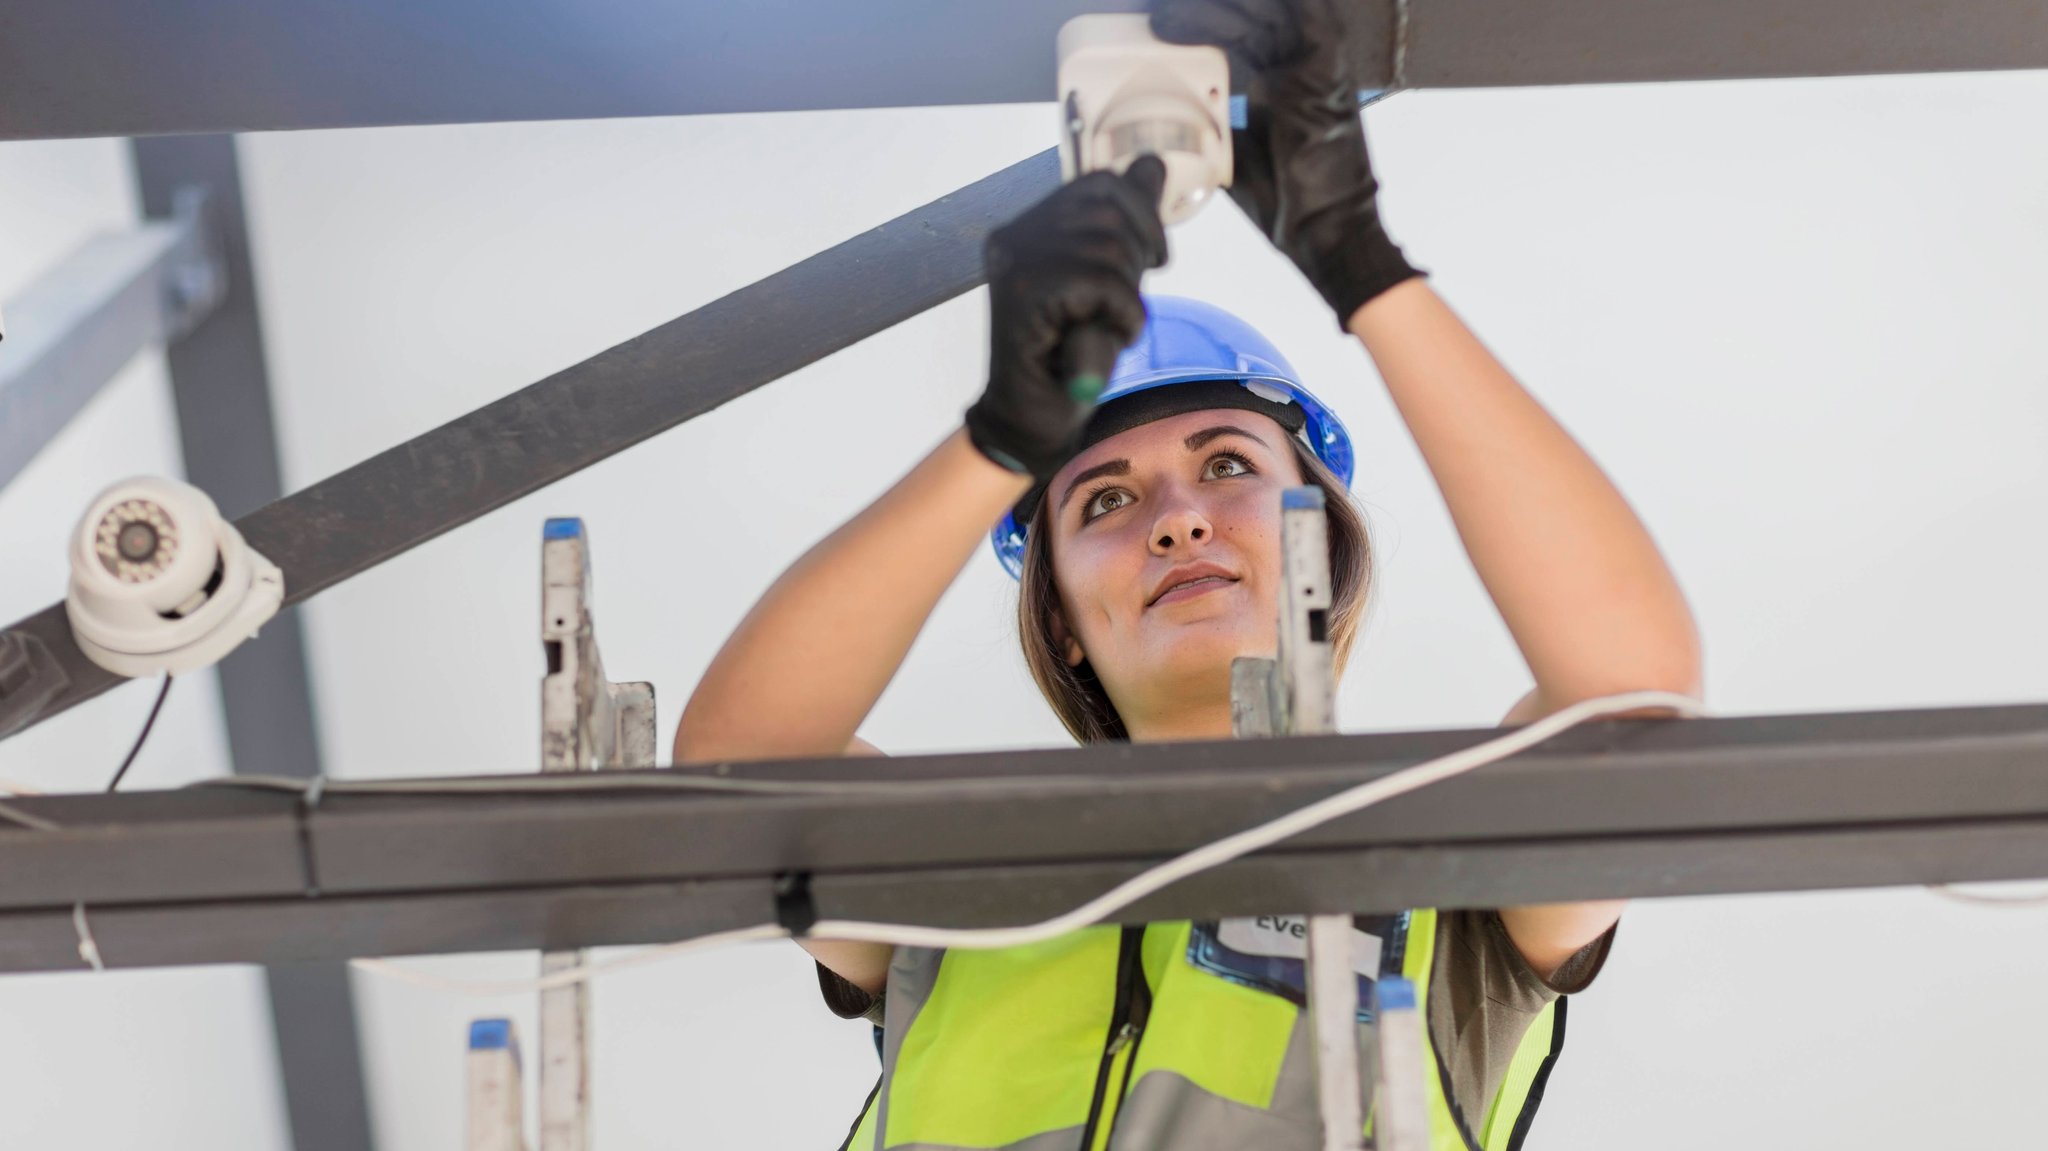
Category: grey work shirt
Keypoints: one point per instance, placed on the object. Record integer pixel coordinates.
(1482, 997)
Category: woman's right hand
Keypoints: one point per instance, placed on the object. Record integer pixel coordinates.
(1071, 261)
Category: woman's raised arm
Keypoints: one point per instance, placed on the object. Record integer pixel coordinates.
(803, 669)
(1585, 594)
(807, 664)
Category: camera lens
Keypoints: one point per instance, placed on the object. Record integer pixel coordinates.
(135, 541)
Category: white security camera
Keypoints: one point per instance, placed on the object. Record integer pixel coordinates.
(160, 583)
(1126, 93)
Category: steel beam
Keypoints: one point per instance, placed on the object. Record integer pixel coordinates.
(124, 67)
(128, 67)
(1490, 44)
(281, 931)
(1618, 809)
(72, 330)
(221, 388)
(397, 500)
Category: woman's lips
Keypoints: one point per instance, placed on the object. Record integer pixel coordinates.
(1192, 589)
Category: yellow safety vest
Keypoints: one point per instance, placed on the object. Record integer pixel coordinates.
(1138, 1039)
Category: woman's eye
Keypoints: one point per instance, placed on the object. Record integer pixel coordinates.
(1223, 466)
(1107, 501)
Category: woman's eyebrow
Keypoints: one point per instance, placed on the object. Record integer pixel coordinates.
(1110, 468)
(1196, 441)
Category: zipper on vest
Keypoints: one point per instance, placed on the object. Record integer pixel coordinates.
(1133, 1031)
(1123, 1028)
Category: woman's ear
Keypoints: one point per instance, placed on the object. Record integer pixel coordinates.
(1070, 648)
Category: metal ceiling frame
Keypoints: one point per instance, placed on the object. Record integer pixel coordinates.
(219, 876)
(220, 385)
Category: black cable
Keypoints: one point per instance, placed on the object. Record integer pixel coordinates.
(143, 736)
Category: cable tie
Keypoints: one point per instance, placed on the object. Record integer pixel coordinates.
(88, 947)
(309, 801)
(795, 911)
(1400, 69)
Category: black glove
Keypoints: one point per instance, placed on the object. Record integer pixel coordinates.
(1301, 170)
(1062, 294)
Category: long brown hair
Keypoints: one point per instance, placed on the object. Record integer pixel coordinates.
(1077, 696)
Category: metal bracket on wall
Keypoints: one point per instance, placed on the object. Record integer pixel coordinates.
(75, 328)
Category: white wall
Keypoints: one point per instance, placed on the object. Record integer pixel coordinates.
(1798, 321)
(171, 1058)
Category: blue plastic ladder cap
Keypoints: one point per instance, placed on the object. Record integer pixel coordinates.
(1395, 994)
(1302, 497)
(489, 1034)
(562, 528)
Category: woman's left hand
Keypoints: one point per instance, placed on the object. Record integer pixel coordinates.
(1301, 169)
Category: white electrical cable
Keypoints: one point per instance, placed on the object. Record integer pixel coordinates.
(1124, 894)
(1954, 894)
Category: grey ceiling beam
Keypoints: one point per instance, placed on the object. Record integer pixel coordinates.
(444, 478)
(221, 388)
(1620, 809)
(71, 330)
(1491, 43)
(1367, 879)
(131, 67)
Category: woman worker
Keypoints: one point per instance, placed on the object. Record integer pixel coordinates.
(1145, 534)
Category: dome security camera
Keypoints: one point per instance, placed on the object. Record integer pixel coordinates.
(1125, 93)
(161, 584)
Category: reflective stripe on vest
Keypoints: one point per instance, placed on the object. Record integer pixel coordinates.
(1006, 1049)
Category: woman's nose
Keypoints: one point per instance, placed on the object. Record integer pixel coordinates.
(1179, 526)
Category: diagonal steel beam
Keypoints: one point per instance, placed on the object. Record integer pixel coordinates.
(400, 499)
(132, 67)
(221, 387)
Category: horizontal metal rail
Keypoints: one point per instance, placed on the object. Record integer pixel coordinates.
(1639, 808)
(438, 481)
(130, 67)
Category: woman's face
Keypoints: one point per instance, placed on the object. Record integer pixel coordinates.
(1166, 552)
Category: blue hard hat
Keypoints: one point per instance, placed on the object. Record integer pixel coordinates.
(1186, 342)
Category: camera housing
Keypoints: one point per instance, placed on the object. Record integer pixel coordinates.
(160, 583)
(1126, 93)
